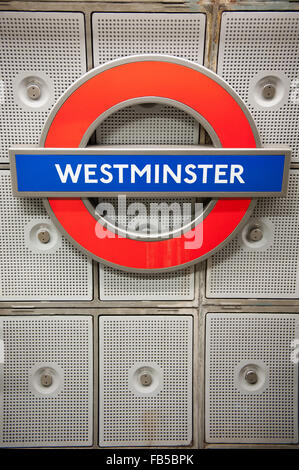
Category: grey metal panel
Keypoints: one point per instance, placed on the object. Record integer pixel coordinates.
(241, 412)
(124, 286)
(60, 414)
(157, 414)
(118, 35)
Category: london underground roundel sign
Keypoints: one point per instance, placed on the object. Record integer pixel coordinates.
(231, 174)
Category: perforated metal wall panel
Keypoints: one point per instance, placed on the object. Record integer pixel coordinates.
(60, 413)
(257, 49)
(158, 124)
(43, 47)
(146, 368)
(30, 269)
(268, 268)
(256, 347)
(118, 35)
(121, 285)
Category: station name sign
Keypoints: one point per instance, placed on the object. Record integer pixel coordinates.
(203, 172)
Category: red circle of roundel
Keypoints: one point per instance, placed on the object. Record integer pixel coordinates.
(167, 78)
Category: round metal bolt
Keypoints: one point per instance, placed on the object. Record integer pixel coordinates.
(44, 236)
(46, 379)
(146, 379)
(268, 91)
(251, 377)
(255, 234)
(33, 91)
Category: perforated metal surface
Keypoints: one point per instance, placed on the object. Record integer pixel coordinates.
(235, 410)
(269, 269)
(118, 35)
(160, 414)
(30, 270)
(160, 124)
(33, 415)
(121, 285)
(47, 46)
(257, 44)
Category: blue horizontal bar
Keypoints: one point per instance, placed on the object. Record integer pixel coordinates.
(149, 173)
